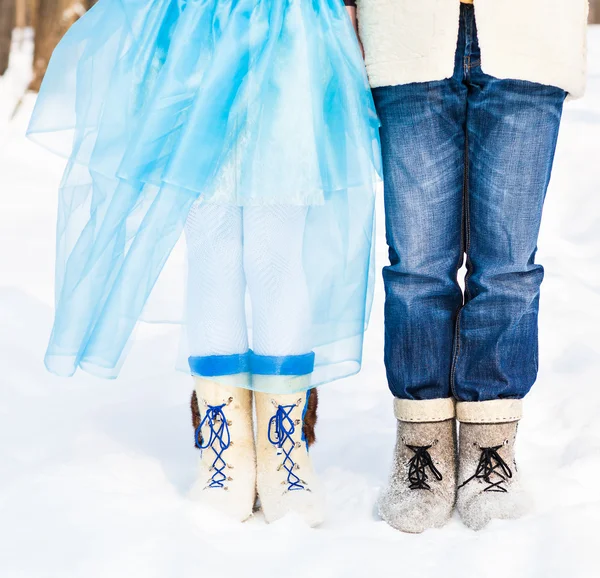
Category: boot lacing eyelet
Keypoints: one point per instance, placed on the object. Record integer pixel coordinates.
(219, 440)
(280, 433)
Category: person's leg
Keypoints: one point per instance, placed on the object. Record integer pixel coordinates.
(512, 130)
(281, 361)
(216, 315)
(423, 143)
(281, 358)
(273, 260)
(218, 347)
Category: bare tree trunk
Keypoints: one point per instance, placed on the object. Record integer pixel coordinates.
(21, 13)
(594, 12)
(32, 13)
(7, 23)
(53, 19)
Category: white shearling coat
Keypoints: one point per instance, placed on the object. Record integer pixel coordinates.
(541, 41)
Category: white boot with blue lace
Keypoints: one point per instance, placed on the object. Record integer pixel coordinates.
(225, 434)
(286, 480)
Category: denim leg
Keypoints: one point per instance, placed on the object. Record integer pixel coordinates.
(423, 144)
(512, 129)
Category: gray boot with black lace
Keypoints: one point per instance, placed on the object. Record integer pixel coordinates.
(422, 486)
(489, 485)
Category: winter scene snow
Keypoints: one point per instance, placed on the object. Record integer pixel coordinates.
(95, 474)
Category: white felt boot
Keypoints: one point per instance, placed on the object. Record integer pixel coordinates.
(286, 478)
(227, 477)
(489, 486)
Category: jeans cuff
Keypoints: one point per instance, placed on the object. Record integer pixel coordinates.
(423, 411)
(493, 411)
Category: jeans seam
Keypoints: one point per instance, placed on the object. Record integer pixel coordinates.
(466, 42)
(465, 244)
(467, 209)
(469, 36)
(455, 356)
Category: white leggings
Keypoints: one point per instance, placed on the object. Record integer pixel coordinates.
(231, 247)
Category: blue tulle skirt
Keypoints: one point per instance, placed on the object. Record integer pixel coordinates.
(164, 106)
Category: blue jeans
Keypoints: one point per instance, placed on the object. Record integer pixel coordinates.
(467, 161)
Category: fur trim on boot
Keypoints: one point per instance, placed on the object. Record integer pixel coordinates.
(222, 418)
(488, 481)
(285, 475)
(310, 417)
(422, 486)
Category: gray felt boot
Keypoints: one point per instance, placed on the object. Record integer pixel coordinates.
(489, 485)
(422, 486)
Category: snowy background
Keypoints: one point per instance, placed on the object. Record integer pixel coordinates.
(94, 474)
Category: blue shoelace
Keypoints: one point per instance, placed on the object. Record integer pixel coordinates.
(218, 441)
(281, 429)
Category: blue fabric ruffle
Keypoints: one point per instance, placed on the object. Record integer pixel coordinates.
(159, 104)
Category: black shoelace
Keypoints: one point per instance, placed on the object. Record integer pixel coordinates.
(491, 464)
(417, 468)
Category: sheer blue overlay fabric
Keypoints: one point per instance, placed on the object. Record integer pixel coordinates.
(163, 107)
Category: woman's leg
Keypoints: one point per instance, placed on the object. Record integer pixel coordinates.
(216, 283)
(282, 361)
(273, 259)
(218, 346)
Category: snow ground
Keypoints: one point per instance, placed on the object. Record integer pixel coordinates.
(94, 474)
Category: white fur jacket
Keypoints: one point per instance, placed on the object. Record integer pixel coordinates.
(541, 41)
